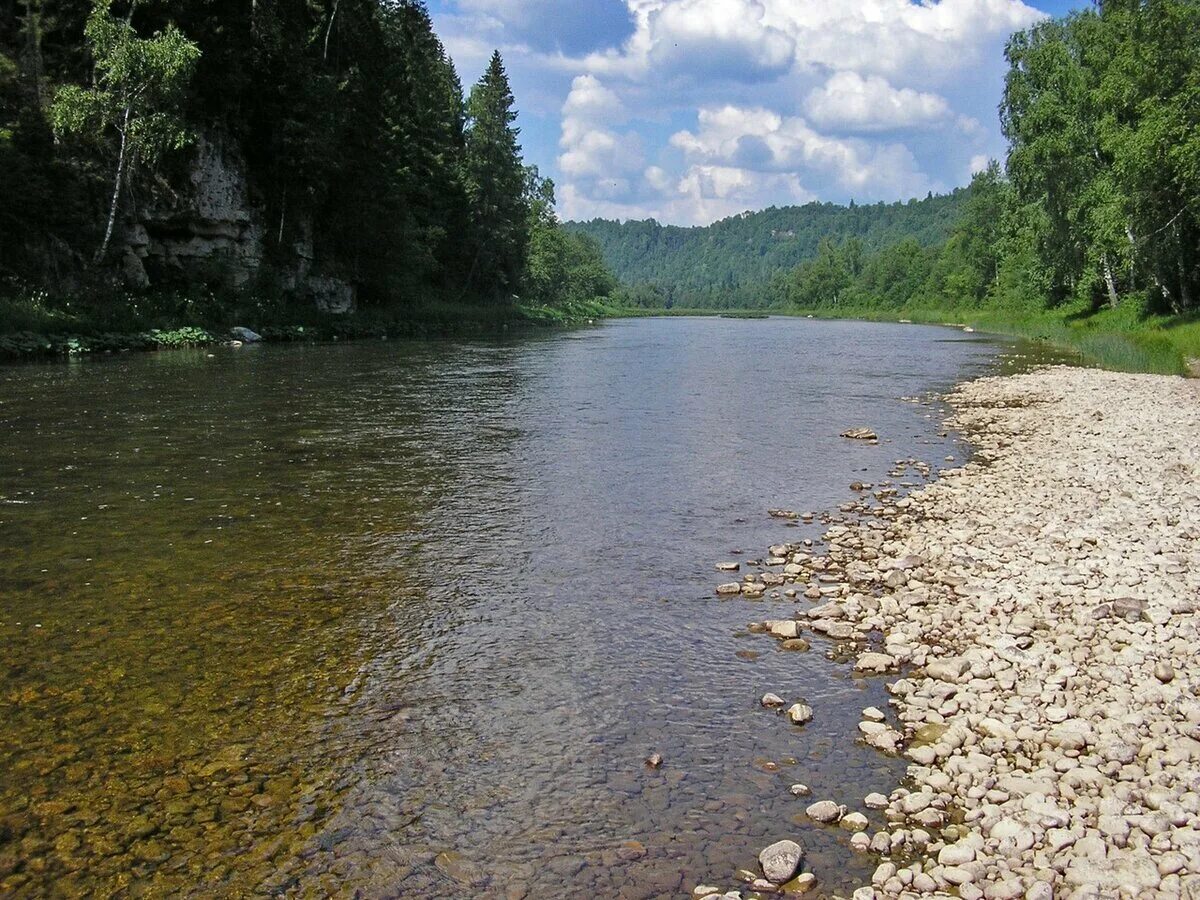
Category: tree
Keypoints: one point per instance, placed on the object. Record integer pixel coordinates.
(138, 89)
(562, 268)
(495, 181)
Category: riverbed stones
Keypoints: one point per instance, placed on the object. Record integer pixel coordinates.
(780, 860)
(731, 587)
(825, 811)
(800, 713)
(801, 884)
(860, 434)
(1043, 598)
(772, 701)
(784, 628)
(874, 663)
(854, 821)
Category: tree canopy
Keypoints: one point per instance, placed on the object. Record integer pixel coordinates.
(358, 144)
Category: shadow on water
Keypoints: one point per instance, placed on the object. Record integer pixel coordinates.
(406, 618)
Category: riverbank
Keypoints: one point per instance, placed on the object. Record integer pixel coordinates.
(30, 327)
(1119, 340)
(1041, 602)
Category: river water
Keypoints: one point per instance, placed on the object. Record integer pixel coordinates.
(406, 618)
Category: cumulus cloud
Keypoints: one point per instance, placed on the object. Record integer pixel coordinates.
(687, 110)
(718, 38)
(930, 41)
(595, 157)
(854, 103)
(978, 163)
(762, 140)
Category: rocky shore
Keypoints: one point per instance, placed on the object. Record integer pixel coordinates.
(1039, 608)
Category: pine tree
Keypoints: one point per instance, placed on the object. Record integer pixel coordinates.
(495, 181)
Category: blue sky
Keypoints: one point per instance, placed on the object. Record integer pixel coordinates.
(688, 111)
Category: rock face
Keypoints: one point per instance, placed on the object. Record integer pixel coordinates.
(781, 860)
(214, 232)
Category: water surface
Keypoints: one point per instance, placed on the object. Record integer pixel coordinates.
(405, 619)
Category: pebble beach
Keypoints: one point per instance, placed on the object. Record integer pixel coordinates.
(1036, 609)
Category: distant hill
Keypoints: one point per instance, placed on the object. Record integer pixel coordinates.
(730, 263)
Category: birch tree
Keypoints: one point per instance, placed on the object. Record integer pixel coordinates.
(131, 110)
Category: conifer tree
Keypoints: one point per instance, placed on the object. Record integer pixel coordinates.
(495, 181)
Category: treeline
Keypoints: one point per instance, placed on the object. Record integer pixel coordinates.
(964, 269)
(355, 130)
(731, 263)
(1099, 202)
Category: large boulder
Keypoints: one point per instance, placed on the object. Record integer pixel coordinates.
(781, 860)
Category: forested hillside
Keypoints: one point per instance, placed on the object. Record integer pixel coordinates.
(731, 262)
(317, 151)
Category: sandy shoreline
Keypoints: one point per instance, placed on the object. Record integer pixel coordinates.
(1042, 601)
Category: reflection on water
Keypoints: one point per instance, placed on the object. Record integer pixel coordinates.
(406, 618)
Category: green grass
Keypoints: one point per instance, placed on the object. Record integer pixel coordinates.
(1119, 339)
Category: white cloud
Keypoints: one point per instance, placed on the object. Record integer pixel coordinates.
(978, 163)
(927, 40)
(762, 140)
(694, 109)
(596, 158)
(718, 39)
(851, 102)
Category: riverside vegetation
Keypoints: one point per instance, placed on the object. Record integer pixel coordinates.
(156, 193)
(1088, 236)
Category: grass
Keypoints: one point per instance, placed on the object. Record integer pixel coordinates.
(1122, 339)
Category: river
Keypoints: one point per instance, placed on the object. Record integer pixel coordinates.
(406, 618)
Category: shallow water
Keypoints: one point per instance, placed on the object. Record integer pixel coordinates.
(406, 618)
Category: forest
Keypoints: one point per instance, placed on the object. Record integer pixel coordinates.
(188, 161)
(731, 263)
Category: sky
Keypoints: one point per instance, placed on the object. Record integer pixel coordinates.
(689, 111)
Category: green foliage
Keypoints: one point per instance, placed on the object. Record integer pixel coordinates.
(496, 183)
(1101, 111)
(362, 162)
(732, 263)
(138, 86)
(563, 269)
